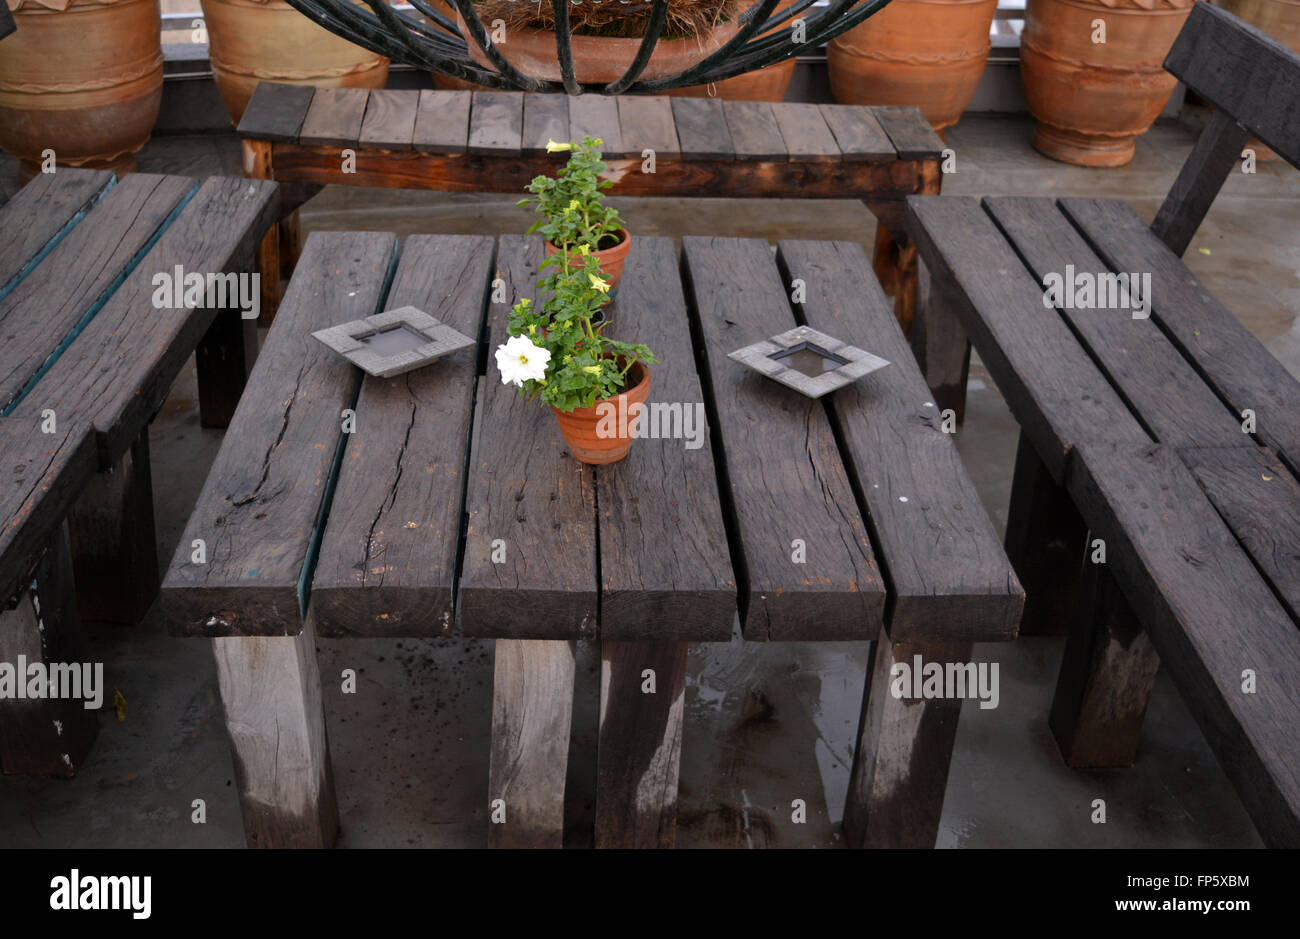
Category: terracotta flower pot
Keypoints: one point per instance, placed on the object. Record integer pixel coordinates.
(600, 59)
(82, 78)
(927, 53)
(765, 84)
(1281, 20)
(602, 433)
(1093, 99)
(611, 259)
(268, 40)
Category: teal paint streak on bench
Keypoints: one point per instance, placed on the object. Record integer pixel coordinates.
(101, 300)
(8, 288)
(327, 497)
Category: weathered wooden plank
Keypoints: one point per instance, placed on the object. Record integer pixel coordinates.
(44, 474)
(442, 122)
(114, 545)
(271, 696)
(664, 563)
(1045, 543)
(1242, 70)
(804, 559)
(858, 133)
(910, 133)
(640, 747)
(532, 709)
(1161, 389)
(496, 122)
(1223, 351)
(276, 111)
(1260, 501)
(948, 576)
(702, 129)
(118, 370)
(1215, 155)
(389, 123)
(258, 511)
(1210, 615)
(1056, 393)
(48, 736)
(334, 117)
(904, 750)
(938, 340)
(597, 116)
(646, 123)
(755, 133)
(1107, 674)
(529, 567)
(40, 214)
(807, 138)
(47, 308)
(388, 556)
(546, 118)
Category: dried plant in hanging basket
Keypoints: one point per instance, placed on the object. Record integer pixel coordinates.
(617, 18)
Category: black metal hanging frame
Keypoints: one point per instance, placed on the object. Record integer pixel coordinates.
(437, 44)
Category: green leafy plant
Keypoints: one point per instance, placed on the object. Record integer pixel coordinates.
(572, 203)
(581, 364)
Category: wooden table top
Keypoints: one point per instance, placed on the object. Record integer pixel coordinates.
(454, 504)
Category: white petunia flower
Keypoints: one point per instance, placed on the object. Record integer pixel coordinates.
(520, 361)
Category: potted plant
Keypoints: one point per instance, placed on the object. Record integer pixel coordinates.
(557, 351)
(605, 36)
(573, 211)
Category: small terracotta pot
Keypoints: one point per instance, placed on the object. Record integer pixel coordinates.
(1093, 100)
(611, 259)
(600, 59)
(603, 433)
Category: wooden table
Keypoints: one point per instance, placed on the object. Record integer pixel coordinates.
(89, 349)
(454, 504)
(486, 141)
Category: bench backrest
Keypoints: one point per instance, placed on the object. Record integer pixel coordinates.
(1253, 81)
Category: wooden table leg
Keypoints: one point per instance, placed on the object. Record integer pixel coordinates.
(271, 695)
(46, 737)
(900, 768)
(939, 343)
(114, 552)
(1107, 675)
(1046, 541)
(532, 707)
(640, 746)
(224, 360)
(257, 165)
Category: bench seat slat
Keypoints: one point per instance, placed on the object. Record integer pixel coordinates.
(442, 122)
(388, 554)
(389, 122)
(664, 561)
(597, 116)
(754, 131)
(334, 117)
(787, 481)
(911, 134)
(646, 123)
(276, 111)
(949, 577)
(258, 511)
(702, 129)
(858, 133)
(496, 122)
(805, 132)
(546, 118)
(40, 214)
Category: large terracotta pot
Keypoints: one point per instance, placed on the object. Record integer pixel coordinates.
(765, 84)
(268, 40)
(600, 59)
(927, 53)
(82, 78)
(1281, 20)
(1093, 100)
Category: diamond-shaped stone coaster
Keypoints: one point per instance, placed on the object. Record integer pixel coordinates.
(394, 341)
(809, 361)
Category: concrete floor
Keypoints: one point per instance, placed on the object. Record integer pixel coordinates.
(765, 724)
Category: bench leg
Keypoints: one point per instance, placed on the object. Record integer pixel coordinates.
(114, 553)
(46, 737)
(1045, 542)
(290, 243)
(940, 345)
(532, 707)
(224, 359)
(904, 747)
(257, 165)
(1107, 675)
(639, 753)
(275, 718)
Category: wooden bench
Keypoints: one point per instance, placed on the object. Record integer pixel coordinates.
(88, 351)
(484, 141)
(1171, 441)
(397, 529)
